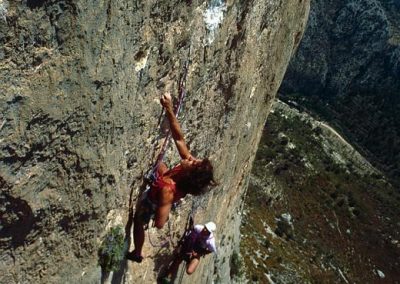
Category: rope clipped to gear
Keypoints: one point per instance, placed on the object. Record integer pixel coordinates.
(178, 107)
(163, 243)
(151, 175)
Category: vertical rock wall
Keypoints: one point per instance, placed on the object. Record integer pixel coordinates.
(79, 122)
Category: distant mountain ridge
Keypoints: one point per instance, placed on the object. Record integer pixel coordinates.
(348, 46)
(347, 70)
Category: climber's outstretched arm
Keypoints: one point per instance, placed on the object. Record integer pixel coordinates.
(175, 127)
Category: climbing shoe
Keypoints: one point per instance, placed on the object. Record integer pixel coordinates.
(134, 257)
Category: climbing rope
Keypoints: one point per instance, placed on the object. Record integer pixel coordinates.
(163, 243)
(188, 229)
(151, 175)
(181, 275)
(181, 98)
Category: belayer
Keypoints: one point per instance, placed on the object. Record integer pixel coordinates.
(190, 176)
(199, 241)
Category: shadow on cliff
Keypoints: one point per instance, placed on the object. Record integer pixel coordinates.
(17, 221)
(166, 263)
(161, 263)
(161, 258)
(119, 274)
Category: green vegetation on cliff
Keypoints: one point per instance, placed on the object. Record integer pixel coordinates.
(112, 250)
(370, 121)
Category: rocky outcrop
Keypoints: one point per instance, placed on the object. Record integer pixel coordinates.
(348, 46)
(79, 84)
(347, 69)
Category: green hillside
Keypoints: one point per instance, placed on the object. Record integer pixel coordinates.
(316, 210)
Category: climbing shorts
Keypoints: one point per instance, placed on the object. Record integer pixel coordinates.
(147, 210)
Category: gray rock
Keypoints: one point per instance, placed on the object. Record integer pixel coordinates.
(79, 113)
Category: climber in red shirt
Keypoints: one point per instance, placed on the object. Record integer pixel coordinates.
(190, 176)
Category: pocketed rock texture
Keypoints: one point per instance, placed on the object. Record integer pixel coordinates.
(79, 84)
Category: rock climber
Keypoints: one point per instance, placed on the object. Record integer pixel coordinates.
(199, 242)
(191, 176)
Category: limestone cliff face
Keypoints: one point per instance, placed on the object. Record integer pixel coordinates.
(80, 122)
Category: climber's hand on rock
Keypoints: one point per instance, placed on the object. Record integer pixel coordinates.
(166, 100)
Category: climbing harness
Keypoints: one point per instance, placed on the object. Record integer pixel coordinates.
(151, 176)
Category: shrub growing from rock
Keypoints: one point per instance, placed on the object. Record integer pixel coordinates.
(112, 250)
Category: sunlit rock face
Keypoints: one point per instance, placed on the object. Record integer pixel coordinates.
(79, 123)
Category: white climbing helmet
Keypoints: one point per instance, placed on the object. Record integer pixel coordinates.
(210, 226)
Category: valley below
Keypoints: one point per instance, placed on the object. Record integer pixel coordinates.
(316, 211)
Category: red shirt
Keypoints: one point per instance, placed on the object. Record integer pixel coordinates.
(165, 182)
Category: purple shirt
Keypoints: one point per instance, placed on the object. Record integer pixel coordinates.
(207, 242)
